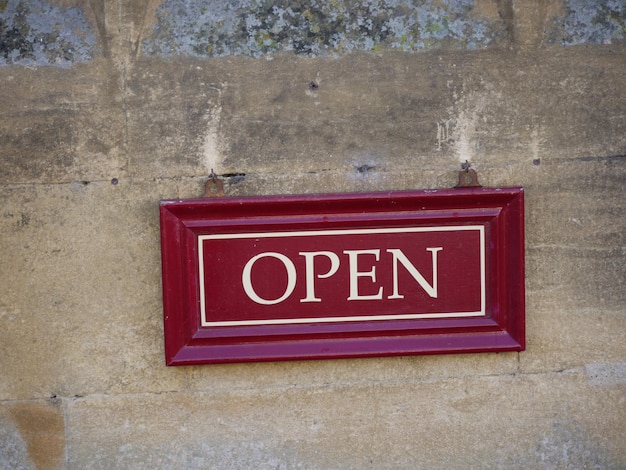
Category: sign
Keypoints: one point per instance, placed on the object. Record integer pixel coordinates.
(343, 275)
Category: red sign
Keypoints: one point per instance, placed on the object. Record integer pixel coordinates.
(344, 275)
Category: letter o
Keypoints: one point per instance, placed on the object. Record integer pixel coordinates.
(247, 281)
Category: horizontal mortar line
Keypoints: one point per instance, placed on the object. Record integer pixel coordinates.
(575, 247)
(98, 181)
(40, 183)
(590, 158)
(313, 386)
(345, 169)
(305, 121)
(82, 397)
(86, 182)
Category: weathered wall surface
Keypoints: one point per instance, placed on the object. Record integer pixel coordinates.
(108, 107)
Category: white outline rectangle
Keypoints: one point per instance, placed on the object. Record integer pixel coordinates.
(288, 321)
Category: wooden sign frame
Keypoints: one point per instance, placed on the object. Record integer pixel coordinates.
(213, 313)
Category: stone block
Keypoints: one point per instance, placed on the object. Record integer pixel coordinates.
(376, 111)
(349, 372)
(173, 111)
(61, 125)
(561, 337)
(81, 305)
(544, 420)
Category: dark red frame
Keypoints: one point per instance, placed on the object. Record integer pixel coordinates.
(501, 210)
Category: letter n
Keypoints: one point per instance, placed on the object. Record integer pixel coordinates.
(398, 255)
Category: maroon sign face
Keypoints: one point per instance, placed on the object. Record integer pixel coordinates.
(327, 276)
(344, 275)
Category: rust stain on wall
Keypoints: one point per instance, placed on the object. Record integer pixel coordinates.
(41, 426)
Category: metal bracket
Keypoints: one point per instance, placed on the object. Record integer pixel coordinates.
(468, 178)
(214, 186)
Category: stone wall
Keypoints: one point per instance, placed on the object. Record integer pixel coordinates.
(108, 107)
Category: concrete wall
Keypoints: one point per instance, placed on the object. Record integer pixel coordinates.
(108, 107)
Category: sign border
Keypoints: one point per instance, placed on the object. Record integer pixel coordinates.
(185, 223)
(451, 228)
